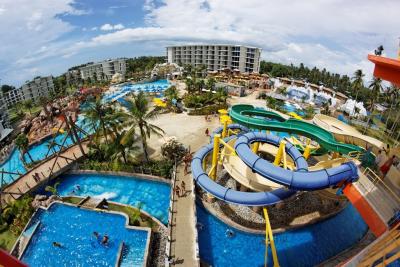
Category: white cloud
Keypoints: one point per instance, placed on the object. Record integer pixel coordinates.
(334, 34)
(110, 27)
(2, 10)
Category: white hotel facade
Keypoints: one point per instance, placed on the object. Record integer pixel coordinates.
(217, 57)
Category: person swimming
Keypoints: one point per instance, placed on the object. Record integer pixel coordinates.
(56, 244)
(104, 241)
(78, 187)
(96, 234)
(229, 233)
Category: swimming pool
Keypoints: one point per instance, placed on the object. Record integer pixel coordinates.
(307, 246)
(79, 246)
(40, 150)
(288, 107)
(156, 86)
(154, 196)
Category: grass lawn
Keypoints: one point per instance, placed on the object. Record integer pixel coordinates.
(7, 240)
(378, 134)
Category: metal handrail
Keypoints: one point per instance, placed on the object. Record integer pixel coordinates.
(385, 251)
(375, 179)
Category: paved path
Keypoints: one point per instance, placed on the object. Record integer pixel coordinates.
(184, 232)
(26, 182)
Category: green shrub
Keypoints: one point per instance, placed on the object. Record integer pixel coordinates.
(208, 110)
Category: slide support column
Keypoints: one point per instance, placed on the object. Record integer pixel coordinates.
(225, 130)
(269, 240)
(307, 150)
(215, 157)
(279, 155)
(256, 146)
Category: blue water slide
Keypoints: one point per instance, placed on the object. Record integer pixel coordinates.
(230, 195)
(301, 179)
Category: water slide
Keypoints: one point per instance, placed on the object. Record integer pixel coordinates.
(254, 118)
(291, 180)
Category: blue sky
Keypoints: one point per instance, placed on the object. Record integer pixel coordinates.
(44, 37)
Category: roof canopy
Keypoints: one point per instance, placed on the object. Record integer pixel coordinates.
(386, 68)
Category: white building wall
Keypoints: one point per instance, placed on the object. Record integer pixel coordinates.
(103, 70)
(216, 57)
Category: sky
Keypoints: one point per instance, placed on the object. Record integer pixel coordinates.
(46, 37)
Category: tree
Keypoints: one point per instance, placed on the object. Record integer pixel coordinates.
(52, 189)
(392, 97)
(117, 149)
(173, 150)
(358, 83)
(210, 83)
(28, 104)
(6, 88)
(171, 93)
(138, 115)
(22, 143)
(199, 84)
(96, 115)
(376, 87)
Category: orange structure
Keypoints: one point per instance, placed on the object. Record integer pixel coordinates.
(371, 218)
(386, 68)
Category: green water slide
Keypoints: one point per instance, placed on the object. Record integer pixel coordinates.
(260, 119)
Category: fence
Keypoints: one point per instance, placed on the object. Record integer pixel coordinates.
(168, 249)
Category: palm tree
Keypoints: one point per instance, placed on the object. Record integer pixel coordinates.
(376, 87)
(199, 84)
(117, 149)
(138, 115)
(52, 189)
(22, 143)
(358, 82)
(392, 96)
(28, 104)
(210, 83)
(96, 115)
(171, 93)
(221, 95)
(190, 85)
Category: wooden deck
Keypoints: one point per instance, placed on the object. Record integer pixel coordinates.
(46, 171)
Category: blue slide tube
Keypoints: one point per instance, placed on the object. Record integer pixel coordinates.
(300, 179)
(230, 195)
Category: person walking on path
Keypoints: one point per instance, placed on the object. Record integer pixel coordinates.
(207, 132)
(183, 187)
(386, 167)
(177, 190)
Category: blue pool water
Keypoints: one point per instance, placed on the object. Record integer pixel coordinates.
(40, 151)
(154, 196)
(79, 246)
(307, 246)
(292, 108)
(156, 86)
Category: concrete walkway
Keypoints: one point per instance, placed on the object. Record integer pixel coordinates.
(184, 248)
(26, 183)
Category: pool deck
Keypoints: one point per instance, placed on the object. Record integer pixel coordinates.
(184, 248)
(26, 183)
